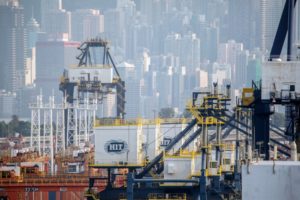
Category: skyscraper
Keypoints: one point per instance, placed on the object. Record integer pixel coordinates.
(51, 59)
(242, 60)
(172, 44)
(133, 92)
(12, 48)
(114, 25)
(86, 24)
(190, 52)
(33, 29)
(32, 8)
(55, 21)
(271, 11)
(7, 104)
(186, 47)
(227, 54)
(48, 6)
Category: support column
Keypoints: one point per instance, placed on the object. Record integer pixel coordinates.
(202, 181)
(72, 125)
(297, 124)
(290, 41)
(261, 122)
(130, 183)
(35, 139)
(237, 146)
(219, 144)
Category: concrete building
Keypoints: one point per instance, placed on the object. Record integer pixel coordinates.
(133, 90)
(244, 22)
(190, 52)
(114, 26)
(13, 47)
(30, 69)
(227, 54)
(86, 23)
(271, 11)
(172, 44)
(46, 7)
(220, 74)
(33, 30)
(165, 88)
(242, 61)
(51, 59)
(133, 98)
(55, 21)
(186, 47)
(24, 97)
(7, 104)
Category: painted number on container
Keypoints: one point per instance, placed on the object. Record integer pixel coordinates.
(31, 189)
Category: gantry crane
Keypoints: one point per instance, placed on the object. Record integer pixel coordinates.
(90, 82)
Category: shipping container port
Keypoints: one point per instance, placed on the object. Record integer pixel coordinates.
(228, 149)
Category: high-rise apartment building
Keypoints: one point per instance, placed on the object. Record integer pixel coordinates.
(271, 11)
(133, 91)
(12, 48)
(243, 22)
(190, 52)
(7, 104)
(52, 57)
(47, 6)
(242, 60)
(55, 21)
(186, 47)
(227, 54)
(33, 29)
(114, 25)
(86, 23)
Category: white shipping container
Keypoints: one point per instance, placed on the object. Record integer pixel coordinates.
(118, 144)
(177, 168)
(155, 139)
(264, 180)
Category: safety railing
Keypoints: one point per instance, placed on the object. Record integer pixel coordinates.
(139, 121)
(71, 179)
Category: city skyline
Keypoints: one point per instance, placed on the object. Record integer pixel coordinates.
(164, 49)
